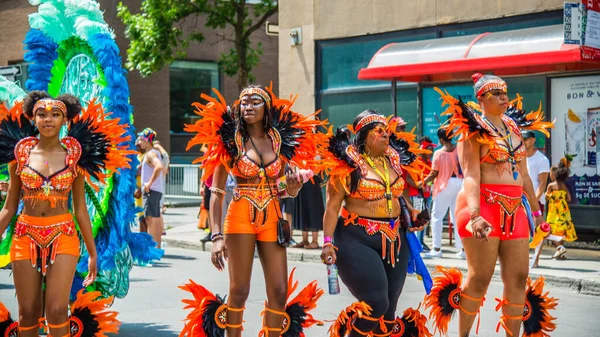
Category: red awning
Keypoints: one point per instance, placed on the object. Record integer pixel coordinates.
(523, 51)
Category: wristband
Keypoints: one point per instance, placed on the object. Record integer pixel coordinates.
(214, 236)
(537, 213)
(328, 239)
(473, 213)
(327, 244)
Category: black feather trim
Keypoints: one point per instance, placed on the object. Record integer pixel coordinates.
(519, 116)
(446, 299)
(227, 133)
(9, 328)
(297, 315)
(402, 147)
(469, 114)
(209, 324)
(11, 132)
(83, 323)
(94, 147)
(338, 144)
(284, 124)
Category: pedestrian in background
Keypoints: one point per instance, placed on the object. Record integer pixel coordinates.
(308, 213)
(538, 166)
(166, 162)
(447, 177)
(138, 192)
(153, 185)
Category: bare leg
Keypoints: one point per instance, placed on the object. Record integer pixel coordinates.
(273, 259)
(58, 286)
(481, 261)
(143, 225)
(514, 255)
(154, 229)
(315, 237)
(28, 286)
(241, 256)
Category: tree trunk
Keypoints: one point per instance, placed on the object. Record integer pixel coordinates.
(241, 48)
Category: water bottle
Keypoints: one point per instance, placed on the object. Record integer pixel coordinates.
(332, 279)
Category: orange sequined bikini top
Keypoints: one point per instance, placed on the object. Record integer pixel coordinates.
(247, 168)
(499, 154)
(36, 186)
(373, 189)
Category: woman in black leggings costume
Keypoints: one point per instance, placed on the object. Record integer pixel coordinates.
(371, 249)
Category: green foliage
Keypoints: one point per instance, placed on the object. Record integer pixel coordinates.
(157, 37)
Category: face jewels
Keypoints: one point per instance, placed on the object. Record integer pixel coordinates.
(380, 131)
(256, 101)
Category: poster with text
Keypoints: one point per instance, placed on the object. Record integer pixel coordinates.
(575, 106)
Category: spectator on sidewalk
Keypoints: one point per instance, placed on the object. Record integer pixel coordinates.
(166, 162)
(152, 184)
(138, 192)
(538, 167)
(447, 177)
(308, 213)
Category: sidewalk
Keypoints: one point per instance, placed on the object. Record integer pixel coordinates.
(579, 273)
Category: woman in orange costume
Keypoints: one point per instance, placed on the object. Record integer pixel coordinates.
(376, 246)
(491, 208)
(44, 172)
(253, 140)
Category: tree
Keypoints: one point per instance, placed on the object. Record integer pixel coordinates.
(157, 38)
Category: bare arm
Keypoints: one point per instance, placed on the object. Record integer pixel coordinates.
(216, 199)
(12, 199)
(468, 153)
(85, 227)
(335, 197)
(432, 175)
(543, 178)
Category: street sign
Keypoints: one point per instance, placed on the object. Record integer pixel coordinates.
(10, 71)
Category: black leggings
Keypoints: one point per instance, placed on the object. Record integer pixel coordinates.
(369, 277)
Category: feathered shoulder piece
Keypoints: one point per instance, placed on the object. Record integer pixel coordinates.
(532, 121)
(299, 136)
(336, 162)
(102, 141)
(14, 126)
(404, 143)
(465, 122)
(216, 130)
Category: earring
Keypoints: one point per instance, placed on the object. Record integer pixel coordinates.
(367, 150)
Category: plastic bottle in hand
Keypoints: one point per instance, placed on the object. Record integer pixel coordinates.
(332, 279)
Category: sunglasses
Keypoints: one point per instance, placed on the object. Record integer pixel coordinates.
(381, 130)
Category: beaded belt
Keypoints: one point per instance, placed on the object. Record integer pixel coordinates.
(43, 244)
(259, 197)
(373, 227)
(508, 207)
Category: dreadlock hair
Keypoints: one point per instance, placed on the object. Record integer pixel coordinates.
(240, 125)
(72, 103)
(360, 141)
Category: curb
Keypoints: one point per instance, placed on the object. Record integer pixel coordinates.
(579, 286)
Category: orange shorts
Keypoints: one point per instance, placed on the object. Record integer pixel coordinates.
(253, 211)
(40, 239)
(501, 206)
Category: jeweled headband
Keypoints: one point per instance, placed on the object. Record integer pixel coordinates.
(485, 83)
(369, 120)
(49, 104)
(256, 91)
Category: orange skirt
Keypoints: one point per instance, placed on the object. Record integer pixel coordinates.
(40, 240)
(253, 211)
(501, 206)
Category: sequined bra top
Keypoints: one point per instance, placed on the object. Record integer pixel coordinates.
(247, 168)
(500, 153)
(37, 186)
(373, 189)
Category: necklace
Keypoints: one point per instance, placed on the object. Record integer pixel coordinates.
(386, 180)
(505, 136)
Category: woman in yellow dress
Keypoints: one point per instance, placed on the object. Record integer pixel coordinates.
(559, 215)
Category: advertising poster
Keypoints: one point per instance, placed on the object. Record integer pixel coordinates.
(575, 106)
(432, 107)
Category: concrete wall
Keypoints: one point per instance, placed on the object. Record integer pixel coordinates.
(332, 19)
(149, 96)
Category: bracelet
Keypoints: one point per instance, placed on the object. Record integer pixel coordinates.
(537, 213)
(328, 239)
(475, 219)
(327, 244)
(474, 213)
(217, 190)
(216, 236)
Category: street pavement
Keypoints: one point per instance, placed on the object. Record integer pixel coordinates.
(153, 306)
(580, 273)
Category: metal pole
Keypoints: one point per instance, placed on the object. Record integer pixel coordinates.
(394, 105)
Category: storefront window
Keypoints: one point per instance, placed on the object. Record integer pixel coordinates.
(189, 80)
